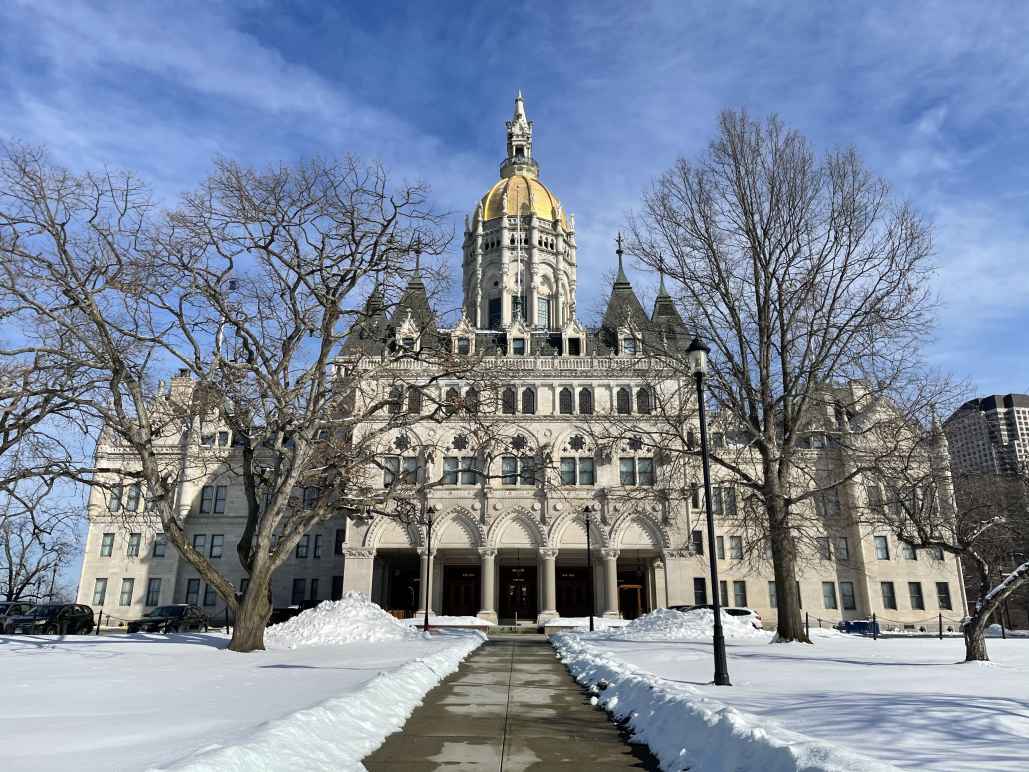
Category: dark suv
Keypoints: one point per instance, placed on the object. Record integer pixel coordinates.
(53, 619)
(10, 609)
(179, 618)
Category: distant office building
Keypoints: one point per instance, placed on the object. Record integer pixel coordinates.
(990, 434)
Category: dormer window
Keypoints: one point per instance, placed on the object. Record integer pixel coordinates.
(464, 345)
(407, 343)
(628, 345)
(574, 347)
(518, 346)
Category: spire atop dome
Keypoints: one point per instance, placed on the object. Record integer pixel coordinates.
(519, 143)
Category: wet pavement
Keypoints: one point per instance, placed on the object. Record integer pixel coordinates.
(510, 707)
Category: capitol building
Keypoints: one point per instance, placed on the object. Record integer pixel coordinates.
(509, 543)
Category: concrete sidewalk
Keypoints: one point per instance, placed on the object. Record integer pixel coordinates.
(510, 707)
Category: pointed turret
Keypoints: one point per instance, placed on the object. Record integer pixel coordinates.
(368, 333)
(414, 304)
(666, 321)
(624, 311)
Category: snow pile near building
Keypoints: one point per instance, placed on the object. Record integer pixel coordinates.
(351, 619)
(667, 625)
(687, 730)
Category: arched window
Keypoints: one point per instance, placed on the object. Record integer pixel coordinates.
(529, 401)
(414, 399)
(644, 401)
(623, 401)
(453, 398)
(564, 402)
(396, 399)
(585, 401)
(471, 400)
(508, 401)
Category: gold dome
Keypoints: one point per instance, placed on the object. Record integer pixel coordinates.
(525, 193)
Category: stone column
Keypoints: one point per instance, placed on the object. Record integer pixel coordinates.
(425, 576)
(357, 569)
(678, 584)
(611, 581)
(487, 556)
(549, 557)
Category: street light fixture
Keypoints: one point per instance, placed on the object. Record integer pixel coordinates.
(696, 355)
(587, 512)
(427, 518)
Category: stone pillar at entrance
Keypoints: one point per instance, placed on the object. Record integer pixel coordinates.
(489, 597)
(611, 582)
(357, 573)
(425, 580)
(549, 557)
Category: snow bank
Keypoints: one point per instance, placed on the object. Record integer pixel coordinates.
(467, 621)
(667, 625)
(687, 730)
(340, 732)
(351, 619)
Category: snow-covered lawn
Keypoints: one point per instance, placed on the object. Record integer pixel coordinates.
(131, 702)
(846, 703)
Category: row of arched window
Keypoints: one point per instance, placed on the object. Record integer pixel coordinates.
(642, 402)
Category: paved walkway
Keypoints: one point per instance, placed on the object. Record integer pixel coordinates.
(510, 707)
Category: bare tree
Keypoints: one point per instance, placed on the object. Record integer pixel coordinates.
(37, 539)
(984, 524)
(251, 290)
(806, 278)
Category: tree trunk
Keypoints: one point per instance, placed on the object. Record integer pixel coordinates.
(790, 623)
(975, 639)
(252, 617)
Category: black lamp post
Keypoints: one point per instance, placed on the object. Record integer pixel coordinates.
(697, 356)
(427, 518)
(587, 512)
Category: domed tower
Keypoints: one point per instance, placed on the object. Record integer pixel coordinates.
(519, 245)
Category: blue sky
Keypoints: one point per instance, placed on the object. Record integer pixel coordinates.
(934, 95)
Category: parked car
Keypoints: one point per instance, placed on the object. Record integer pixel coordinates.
(741, 612)
(10, 609)
(53, 619)
(858, 626)
(179, 618)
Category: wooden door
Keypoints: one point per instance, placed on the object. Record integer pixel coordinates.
(461, 590)
(573, 591)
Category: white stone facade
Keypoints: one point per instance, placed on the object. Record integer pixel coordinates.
(517, 551)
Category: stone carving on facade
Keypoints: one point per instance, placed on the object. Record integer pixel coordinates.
(359, 552)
